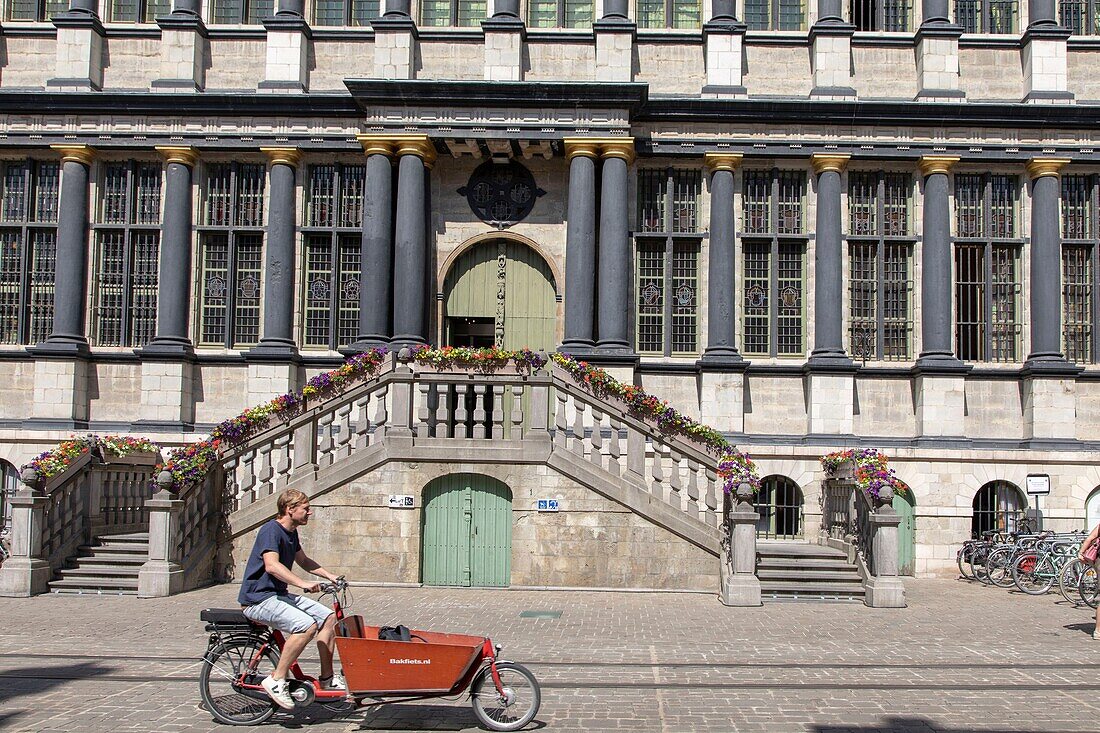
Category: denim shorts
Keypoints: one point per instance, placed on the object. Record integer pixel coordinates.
(288, 613)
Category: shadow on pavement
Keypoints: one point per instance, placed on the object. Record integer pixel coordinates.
(903, 724)
(397, 716)
(1085, 628)
(32, 681)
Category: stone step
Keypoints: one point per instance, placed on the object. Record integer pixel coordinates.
(74, 591)
(119, 548)
(798, 549)
(104, 571)
(824, 587)
(813, 576)
(95, 584)
(103, 560)
(800, 563)
(127, 537)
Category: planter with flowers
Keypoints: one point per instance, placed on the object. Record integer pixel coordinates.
(868, 469)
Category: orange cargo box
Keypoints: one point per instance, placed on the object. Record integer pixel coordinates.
(432, 663)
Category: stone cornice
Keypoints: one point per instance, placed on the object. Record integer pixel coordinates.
(283, 156)
(930, 164)
(83, 154)
(829, 162)
(178, 154)
(1042, 167)
(722, 161)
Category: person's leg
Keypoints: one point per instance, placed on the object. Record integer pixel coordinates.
(1096, 627)
(326, 623)
(298, 627)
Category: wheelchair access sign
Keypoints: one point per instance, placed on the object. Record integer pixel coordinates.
(547, 505)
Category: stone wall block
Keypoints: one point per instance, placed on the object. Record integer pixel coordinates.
(61, 389)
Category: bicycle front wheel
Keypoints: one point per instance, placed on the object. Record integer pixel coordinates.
(513, 709)
(1033, 575)
(963, 557)
(999, 567)
(219, 679)
(1069, 578)
(1088, 588)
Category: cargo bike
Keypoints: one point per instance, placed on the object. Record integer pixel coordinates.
(505, 696)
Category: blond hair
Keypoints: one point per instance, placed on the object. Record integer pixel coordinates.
(290, 499)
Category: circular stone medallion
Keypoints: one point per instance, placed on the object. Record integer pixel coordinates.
(501, 194)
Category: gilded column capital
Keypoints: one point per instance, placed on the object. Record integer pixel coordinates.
(584, 146)
(829, 162)
(930, 164)
(377, 144)
(419, 145)
(618, 148)
(83, 154)
(722, 161)
(1042, 167)
(179, 154)
(283, 156)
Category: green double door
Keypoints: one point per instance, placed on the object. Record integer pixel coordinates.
(466, 532)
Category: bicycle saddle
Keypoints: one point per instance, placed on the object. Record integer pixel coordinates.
(232, 616)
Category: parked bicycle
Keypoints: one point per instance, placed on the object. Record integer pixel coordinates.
(1036, 570)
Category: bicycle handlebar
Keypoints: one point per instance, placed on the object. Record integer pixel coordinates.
(335, 586)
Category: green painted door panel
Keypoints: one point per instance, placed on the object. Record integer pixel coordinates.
(491, 543)
(906, 533)
(466, 534)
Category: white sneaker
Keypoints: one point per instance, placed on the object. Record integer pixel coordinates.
(335, 682)
(279, 691)
(1096, 633)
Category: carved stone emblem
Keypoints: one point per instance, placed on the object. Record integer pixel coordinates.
(501, 194)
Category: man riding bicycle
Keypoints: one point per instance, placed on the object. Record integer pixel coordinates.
(266, 600)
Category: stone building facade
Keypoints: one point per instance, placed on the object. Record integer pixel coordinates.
(812, 225)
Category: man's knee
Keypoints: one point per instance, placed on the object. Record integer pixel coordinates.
(308, 632)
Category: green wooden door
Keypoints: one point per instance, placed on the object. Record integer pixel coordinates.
(903, 505)
(466, 532)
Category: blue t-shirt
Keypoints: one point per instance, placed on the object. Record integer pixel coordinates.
(258, 584)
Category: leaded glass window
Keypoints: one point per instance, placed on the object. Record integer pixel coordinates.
(882, 15)
(357, 13)
(36, 10)
(1080, 246)
(452, 13)
(241, 12)
(333, 264)
(987, 268)
(231, 254)
(28, 249)
(669, 13)
(127, 251)
(138, 11)
(775, 15)
(560, 13)
(1082, 17)
(987, 16)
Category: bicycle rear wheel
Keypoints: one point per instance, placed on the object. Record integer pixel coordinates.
(221, 694)
(1032, 574)
(1088, 587)
(516, 707)
(963, 557)
(1069, 578)
(998, 568)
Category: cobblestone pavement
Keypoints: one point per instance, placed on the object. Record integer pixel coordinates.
(960, 658)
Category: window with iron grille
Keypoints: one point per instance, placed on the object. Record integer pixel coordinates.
(241, 12)
(357, 13)
(138, 11)
(1082, 17)
(333, 236)
(36, 10)
(987, 16)
(774, 253)
(28, 249)
(669, 13)
(231, 240)
(1080, 252)
(452, 13)
(882, 15)
(667, 272)
(880, 254)
(987, 268)
(998, 507)
(775, 15)
(560, 13)
(127, 251)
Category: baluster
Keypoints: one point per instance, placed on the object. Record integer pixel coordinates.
(248, 479)
(515, 432)
(232, 482)
(324, 439)
(282, 461)
(343, 436)
(425, 417)
(461, 413)
(614, 447)
(442, 412)
(711, 497)
(479, 411)
(597, 437)
(498, 412)
(362, 422)
(692, 488)
(580, 411)
(560, 440)
(381, 416)
(266, 472)
(635, 455)
(657, 472)
(676, 482)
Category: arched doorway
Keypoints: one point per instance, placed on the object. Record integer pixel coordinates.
(779, 504)
(466, 531)
(500, 292)
(1092, 509)
(904, 504)
(998, 506)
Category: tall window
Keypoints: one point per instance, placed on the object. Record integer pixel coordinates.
(560, 13)
(127, 248)
(774, 247)
(880, 265)
(670, 13)
(28, 249)
(987, 268)
(238, 12)
(345, 12)
(667, 241)
(36, 10)
(882, 15)
(998, 507)
(332, 237)
(1080, 250)
(987, 16)
(775, 15)
(454, 13)
(138, 11)
(1082, 17)
(231, 253)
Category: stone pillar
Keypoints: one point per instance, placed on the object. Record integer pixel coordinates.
(376, 282)
(828, 264)
(396, 42)
(724, 38)
(1046, 77)
(615, 34)
(80, 44)
(740, 586)
(884, 589)
(288, 46)
(415, 157)
(831, 56)
(616, 265)
(505, 36)
(183, 41)
(580, 245)
(162, 575)
(26, 572)
(938, 54)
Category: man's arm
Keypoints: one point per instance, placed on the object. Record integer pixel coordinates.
(312, 566)
(277, 570)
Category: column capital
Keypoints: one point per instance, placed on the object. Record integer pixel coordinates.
(183, 155)
(722, 161)
(377, 144)
(930, 164)
(829, 162)
(83, 154)
(419, 145)
(1041, 167)
(283, 156)
(615, 148)
(584, 146)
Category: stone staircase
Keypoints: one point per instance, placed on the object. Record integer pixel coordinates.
(796, 571)
(107, 566)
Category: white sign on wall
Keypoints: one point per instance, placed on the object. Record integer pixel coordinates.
(1038, 484)
(401, 501)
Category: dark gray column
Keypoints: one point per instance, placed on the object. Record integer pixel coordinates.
(615, 263)
(580, 246)
(1046, 263)
(86, 7)
(278, 335)
(1042, 12)
(376, 282)
(937, 350)
(295, 8)
(935, 11)
(828, 265)
(410, 262)
(71, 273)
(830, 11)
(174, 282)
(721, 266)
(189, 7)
